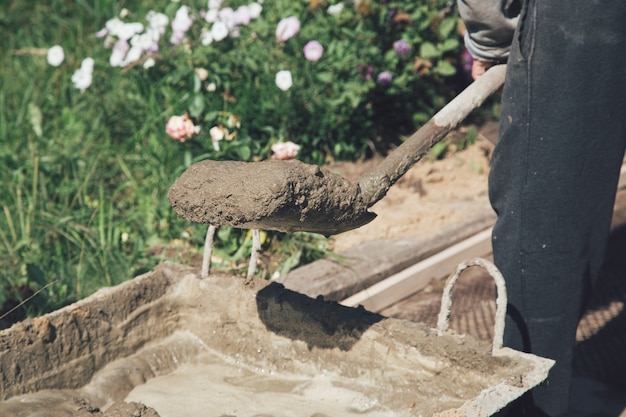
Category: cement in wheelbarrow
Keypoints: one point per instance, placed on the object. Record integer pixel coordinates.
(170, 344)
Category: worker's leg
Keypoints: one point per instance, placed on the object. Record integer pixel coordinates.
(554, 174)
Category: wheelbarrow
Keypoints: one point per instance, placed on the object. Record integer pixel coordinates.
(176, 345)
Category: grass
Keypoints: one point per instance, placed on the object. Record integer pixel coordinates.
(84, 176)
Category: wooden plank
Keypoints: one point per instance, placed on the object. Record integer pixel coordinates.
(363, 266)
(414, 278)
(409, 281)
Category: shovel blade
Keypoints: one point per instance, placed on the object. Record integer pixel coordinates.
(288, 196)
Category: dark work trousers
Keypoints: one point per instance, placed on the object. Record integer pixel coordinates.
(554, 176)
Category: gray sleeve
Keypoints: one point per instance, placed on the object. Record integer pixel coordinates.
(490, 27)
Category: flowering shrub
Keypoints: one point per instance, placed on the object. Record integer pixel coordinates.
(104, 108)
(334, 77)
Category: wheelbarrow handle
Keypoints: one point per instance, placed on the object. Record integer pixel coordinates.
(443, 321)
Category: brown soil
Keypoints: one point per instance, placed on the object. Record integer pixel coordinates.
(432, 194)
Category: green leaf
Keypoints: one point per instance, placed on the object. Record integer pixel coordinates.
(324, 77)
(34, 113)
(244, 152)
(438, 151)
(446, 27)
(196, 107)
(449, 45)
(197, 83)
(445, 68)
(428, 50)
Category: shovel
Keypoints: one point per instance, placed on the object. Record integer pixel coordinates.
(293, 196)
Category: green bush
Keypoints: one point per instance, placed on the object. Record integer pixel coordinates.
(85, 173)
(335, 108)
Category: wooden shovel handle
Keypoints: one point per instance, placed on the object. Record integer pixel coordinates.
(375, 184)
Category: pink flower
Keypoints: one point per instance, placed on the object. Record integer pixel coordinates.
(287, 28)
(313, 51)
(285, 150)
(180, 128)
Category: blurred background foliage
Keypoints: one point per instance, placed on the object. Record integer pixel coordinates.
(84, 175)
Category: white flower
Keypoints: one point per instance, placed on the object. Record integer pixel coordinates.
(113, 25)
(219, 31)
(233, 121)
(217, 134)
(157, 21)
(87, 64)
(55, 55)
(284, 81)
(287, 28)
(335, 9)
(211, 15)
(242, 15)
(202, 73)
(211, 87)
(154, 36)
(214, 4)
(206, 38)
(255, 10)
(133, 55)
(227, 15)
(143, 41)
(118, 54)
(82, 78)
(182, 21)
(127, 30)
(149, 63)
(117, 58)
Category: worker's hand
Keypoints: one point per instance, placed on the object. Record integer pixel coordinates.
(479, 67)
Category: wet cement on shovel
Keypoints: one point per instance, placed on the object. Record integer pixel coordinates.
(278, 195)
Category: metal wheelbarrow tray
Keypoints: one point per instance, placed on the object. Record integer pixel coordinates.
(189, 347)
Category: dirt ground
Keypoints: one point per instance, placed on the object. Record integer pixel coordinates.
(432, 194)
